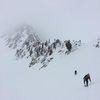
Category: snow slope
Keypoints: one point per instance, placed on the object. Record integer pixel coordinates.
(55, 82)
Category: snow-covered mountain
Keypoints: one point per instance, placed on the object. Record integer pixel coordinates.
(39, 63)
(28, 45)
(55, 82)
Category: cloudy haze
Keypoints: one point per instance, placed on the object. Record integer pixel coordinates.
(75, 19)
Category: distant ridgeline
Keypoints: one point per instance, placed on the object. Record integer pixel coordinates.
(28, 45)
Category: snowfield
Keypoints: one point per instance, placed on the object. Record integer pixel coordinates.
(55, 82)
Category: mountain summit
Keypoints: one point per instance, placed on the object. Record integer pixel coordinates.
(22, 35)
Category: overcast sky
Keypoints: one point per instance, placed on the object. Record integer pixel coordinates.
(76, 19)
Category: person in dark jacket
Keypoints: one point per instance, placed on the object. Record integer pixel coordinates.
(86, 79)
(75, 72)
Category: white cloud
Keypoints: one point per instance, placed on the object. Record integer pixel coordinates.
(69, 18)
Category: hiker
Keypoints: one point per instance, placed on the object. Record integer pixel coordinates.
(75, 72)
(86, 79)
